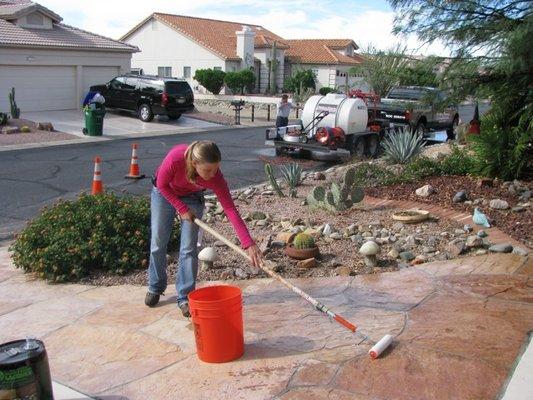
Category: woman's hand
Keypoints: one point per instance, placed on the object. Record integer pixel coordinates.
(255, 255)
(188, 216)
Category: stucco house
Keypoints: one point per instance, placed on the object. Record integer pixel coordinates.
(51, 65)
(176, 45)
(329, 59)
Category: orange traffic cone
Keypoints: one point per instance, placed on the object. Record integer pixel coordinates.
(134, 166)
(97, 178)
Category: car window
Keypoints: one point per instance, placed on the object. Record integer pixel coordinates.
(151, 86)
(118, 83)
(131, 84)
(177, 87)
(406, 94)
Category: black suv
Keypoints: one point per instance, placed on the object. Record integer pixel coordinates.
(148, 95)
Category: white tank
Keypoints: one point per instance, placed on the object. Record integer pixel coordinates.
(350, 114)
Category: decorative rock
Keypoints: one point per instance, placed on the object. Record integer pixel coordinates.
(392, 239)
(468, 228)
(518, 209)
(460, 197)
(307, 264)
(45, 126)
(525, 196)
(328, 230)
(285, 237)
(456, 247)
(262, 222)
(428, 250)
(277, 244)
(501, 248)
(407, 256)
(296, 229)
(520, 251)
(319, 176)
(241, 273)
(267, 193)
(357, 239)
(366, 234)
(431, 241)
(218, 243)
(481, 252)
(459, 232)
(474, 241)
(336, 236)
(498, 204)
(398, 226)
(425, 191)
(9, 130)
(394, 254)
(420, 259)
(481, 233)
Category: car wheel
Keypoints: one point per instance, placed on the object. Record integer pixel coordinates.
(174, 117)
(450, 132)
(372, 146)
(356, 146)
(145, 113)
(421, 129)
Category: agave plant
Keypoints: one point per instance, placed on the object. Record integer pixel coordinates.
(401, 147)
(292, 174)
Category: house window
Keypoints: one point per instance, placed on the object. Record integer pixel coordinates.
(186, 72)
(164, 71)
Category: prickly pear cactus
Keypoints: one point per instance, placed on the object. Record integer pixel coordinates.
(337, 198)
(303, 241)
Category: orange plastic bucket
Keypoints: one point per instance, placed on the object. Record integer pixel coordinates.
(216, 313)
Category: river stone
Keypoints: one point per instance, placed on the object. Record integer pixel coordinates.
(460, 197)
(501, 248)
(498, 204)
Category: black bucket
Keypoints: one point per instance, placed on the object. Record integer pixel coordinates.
(24, 371)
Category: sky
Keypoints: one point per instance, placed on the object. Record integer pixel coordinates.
(367, 22)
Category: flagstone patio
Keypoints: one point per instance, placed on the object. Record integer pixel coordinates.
(458, 325)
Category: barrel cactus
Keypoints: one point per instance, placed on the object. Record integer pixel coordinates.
(337, 198)
(303, 241)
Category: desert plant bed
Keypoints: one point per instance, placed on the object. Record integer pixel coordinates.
(34, 136)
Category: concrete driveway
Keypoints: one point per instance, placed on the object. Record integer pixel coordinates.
(116, 123)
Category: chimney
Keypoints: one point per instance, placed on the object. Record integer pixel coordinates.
(245, 46)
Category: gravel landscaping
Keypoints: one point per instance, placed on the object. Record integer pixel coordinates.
(34, 136)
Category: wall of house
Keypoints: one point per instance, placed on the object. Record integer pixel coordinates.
(35, 20)
(162, 46)
(89, 67)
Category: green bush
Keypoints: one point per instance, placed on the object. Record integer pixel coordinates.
(72, 239)
(419, 168)
(325, 90)
(300, 81)
(502, 150)
(368, 175)
(238, 81)
(211, 79)
(3, 118)
(459, 162)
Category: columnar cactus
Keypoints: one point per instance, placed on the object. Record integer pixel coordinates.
(272, 180)
(303, 241)
(15, 111)
(338, 198)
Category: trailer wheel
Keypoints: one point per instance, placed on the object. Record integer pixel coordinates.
(279, 151)
(372, 146)
(356, 146)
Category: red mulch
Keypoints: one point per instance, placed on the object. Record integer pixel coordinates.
(518, 225)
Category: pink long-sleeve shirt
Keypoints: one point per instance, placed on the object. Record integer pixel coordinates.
(172, 184)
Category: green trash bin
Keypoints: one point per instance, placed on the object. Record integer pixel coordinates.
(94, 119)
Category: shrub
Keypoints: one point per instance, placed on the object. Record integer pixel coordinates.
(3, 118)
(459, 162)
(71, 239)
(401, 147)
(325, 90)
(25, 129)
(238, 81)
(502, 150)
(300, 81)
(211, 79)
(419, 168)
(368, 175)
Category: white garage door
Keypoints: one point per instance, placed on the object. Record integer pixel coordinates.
(38, 88)
(97, 76)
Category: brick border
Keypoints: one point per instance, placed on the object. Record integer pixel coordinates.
(496, 235)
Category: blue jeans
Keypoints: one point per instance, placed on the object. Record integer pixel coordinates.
(163, 215)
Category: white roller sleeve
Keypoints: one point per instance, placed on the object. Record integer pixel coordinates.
(380, 346)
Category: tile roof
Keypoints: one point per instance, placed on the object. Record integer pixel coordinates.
(11, 9)
(321, 51)
(61, 36)
(217, 36)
